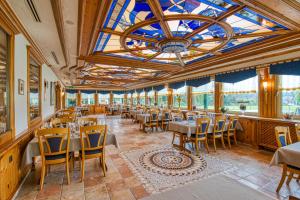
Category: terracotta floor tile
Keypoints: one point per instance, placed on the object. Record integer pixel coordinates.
(124, 194)
(139, 192)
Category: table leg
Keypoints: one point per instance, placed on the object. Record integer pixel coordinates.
(283, 177)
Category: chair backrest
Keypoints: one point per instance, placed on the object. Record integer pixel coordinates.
(202, 125)
(298, 131)
(219, 124)
(233, 123)
(176, 116)
(61, 122)
(53, 141)
(154, 115)
(166, 115)
(190, 116)
(282, 134)
(93, 137)
(87, 121)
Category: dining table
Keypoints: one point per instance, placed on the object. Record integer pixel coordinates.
(143, 118)
(188, 127)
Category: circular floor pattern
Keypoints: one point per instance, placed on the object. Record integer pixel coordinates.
(171, 162)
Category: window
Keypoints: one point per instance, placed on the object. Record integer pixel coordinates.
(151, 98)
(162, 98)
(243, 92)
(119, 99)
(142, 98)
(104, 99)
(203, 96)
(87, 99)
(289, 87)
(134, 99)
(4, 78)
(71, 99)
(180, 94)
(34, 90)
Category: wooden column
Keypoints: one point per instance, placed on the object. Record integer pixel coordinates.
(111, 98)
(189, 98)
(78, 98)
(170, 97)
(218, 97)
(96, 99)
(125, 99)
(146, 98)
(64, 96)
(267, 94)
(156, 97)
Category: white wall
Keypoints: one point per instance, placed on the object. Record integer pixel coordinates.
(20, 71)
(47, 75)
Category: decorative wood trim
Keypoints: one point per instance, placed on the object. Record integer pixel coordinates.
(293, 3)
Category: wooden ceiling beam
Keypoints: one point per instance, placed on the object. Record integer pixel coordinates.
(230, 12)
(152, 56)
(126, 50)
(107, 79)
(118, 61)
(180, 59)
(136, 37)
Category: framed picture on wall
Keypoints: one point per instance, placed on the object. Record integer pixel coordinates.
(21, 86)
(52, 93)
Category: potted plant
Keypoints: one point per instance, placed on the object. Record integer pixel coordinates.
(178, 99)
(287, 116)
(224, 110)
(243, 106)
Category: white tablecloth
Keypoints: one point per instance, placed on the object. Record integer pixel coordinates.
(289, 155)
(143, 118)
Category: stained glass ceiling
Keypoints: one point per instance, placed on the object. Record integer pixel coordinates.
(188, 31)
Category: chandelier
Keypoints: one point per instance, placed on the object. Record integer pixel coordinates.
(174, 45)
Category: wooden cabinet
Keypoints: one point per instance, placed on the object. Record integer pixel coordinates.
(249, 133)
(9, 173)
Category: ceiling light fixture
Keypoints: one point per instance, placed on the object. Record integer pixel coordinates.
(174, 45)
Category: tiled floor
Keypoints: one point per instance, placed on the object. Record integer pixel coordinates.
(120, 183)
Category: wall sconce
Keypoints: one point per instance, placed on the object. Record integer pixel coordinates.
(265, 86)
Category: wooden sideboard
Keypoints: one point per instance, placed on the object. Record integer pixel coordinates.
(260, 132)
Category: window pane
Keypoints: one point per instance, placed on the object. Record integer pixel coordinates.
(180, 94)
(34, 82)
(203, 96)
(103, 98)
(4, 80)
(119, 99)
(87, 99)
(134, 99)
(71, 100)
(142, 98)
(290, 94)
(243, 92)
(151, 98)
(162, 99)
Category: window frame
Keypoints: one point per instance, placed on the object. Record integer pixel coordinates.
(187, 98)
(213, 93)
(98, 99)
(66, 99)
(9, 135)
(38, 119)
(81, 103)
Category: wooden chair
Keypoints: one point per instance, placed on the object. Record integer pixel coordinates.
(176, 117)
(87, 121)
(298, 131)
(165, 119)
(231, 130)
(202, 125)
(153, 120)
(61, 122)
(218, 130)
(93, 139)
(282, 134)
(190, 116)
(54, 147)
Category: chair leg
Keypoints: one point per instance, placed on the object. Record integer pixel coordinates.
(173, 138)
(42, 176)
(197, 147)
(234, 137)
(103, 165)
(289, 178)
(228, 138)
(283, 176)
(214, 140)
(68, 172)
(223, 143)
(206, 146)
(82, 169)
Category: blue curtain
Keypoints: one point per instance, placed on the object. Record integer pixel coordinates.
(130, 91)
(148, 89)
(118, 92)
(139, 90)
(158, 88)
(198, 82)
(234, 77)
(88, 91)
(289, 68)
(70, 91)
(177, 85)
(103, 92)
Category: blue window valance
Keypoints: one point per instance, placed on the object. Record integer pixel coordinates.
(70, 91)
(34, 90)
(158, 88)
(289, 68)
(88, 91)
(148, 89)
(130, 91)
(139, 90)
(234, 77)
(118, 92)
(198, 82)
(177, 85)
(103, 92)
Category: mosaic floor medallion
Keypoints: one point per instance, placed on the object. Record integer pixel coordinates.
(163, 168)
(172, 162)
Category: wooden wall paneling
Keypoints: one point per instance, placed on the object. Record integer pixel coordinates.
(249, 133)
